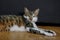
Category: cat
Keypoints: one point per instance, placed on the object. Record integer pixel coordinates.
(23, 23)
(14, 22)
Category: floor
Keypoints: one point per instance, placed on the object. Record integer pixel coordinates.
(30, 36)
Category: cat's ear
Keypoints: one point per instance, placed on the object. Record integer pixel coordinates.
(36, 12)
(26, 11)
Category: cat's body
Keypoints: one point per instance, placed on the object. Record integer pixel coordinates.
(8, 21)
(22, 23)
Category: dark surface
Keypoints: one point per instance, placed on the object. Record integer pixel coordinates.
(49, 9)
(48, 24)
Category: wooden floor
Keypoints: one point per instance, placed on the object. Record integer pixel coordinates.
(30, 36)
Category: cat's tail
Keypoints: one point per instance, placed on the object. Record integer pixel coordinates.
(41, 31)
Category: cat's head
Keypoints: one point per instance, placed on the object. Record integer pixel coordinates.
(31, 15)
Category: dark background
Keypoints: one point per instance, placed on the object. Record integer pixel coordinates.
(49, 9)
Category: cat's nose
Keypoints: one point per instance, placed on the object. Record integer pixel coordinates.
(31, 19)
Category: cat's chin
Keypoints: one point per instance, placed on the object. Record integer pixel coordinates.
(34, 19)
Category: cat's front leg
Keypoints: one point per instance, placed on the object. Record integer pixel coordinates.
(34, 25)
(43, 31)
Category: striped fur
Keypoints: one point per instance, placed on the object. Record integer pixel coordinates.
(8, 21)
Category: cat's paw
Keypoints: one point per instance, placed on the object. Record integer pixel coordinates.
(46, 32)
(49, 33)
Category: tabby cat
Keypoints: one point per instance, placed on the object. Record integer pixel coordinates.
(23, 23)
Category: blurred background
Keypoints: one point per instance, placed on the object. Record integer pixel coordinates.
(49, 9)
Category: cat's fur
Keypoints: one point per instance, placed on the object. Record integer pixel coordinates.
(14, 22)
(22, 23)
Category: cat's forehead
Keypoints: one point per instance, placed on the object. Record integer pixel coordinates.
(31, 13)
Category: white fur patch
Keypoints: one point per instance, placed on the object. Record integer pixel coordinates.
(16, 28)
(50, 34)
(27, 29)
(26, 17)
(42, 31)
(34, 25)
(34, 19)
